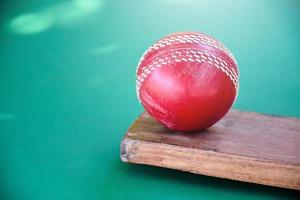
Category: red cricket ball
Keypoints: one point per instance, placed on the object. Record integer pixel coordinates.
(187, 81)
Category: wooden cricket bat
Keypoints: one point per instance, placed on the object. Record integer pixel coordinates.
(243, 146)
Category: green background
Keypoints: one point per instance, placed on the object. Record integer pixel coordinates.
(67, 91)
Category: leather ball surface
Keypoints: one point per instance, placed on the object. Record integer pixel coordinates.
(187, 81)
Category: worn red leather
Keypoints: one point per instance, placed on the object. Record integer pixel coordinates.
(187, 81)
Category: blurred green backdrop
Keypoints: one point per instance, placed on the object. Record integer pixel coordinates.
(67, 91)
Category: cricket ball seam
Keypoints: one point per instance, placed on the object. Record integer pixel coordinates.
(202, 39)
(193, 51)
(189, 38)
(187, 55)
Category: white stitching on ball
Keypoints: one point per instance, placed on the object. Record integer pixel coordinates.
(203, 54)
(187, 55)
(189, 38)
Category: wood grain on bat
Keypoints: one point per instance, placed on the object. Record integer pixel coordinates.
(243, 146)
